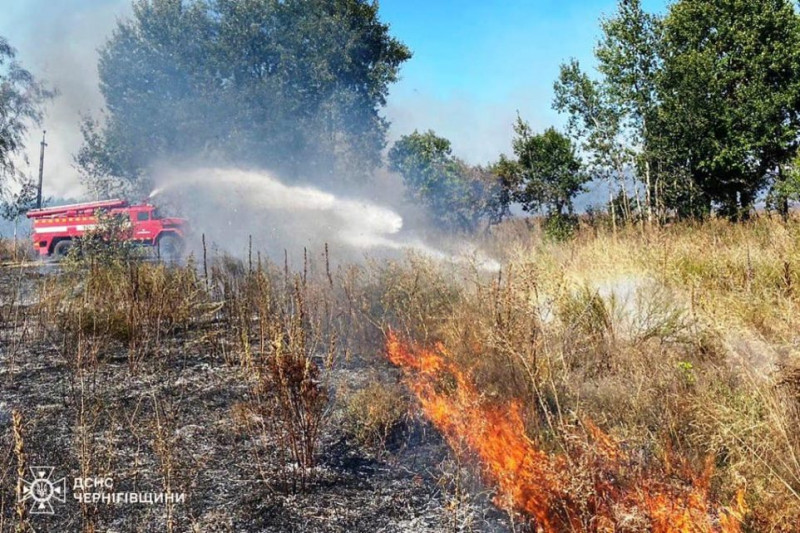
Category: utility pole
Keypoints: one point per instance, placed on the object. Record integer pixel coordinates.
(41, 172)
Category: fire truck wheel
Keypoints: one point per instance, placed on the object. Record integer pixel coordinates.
(170, 247)
(61, 249)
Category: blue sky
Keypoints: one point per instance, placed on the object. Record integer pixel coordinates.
(475, 65)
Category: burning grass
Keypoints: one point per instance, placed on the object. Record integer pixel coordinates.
(680, 343)
(641, 382)
(596, 486)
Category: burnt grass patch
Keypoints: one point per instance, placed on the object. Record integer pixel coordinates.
(171, 410)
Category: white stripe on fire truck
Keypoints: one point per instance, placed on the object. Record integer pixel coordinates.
(59, 229)
(53, 229)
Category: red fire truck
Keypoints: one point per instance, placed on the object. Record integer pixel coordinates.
(55, 228)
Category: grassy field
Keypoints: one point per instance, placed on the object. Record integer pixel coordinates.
(680, 346)
(644, 381)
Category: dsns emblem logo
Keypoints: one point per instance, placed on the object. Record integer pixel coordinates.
(43, 490)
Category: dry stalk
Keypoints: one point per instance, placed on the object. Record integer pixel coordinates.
(19, 453)
(163, 446)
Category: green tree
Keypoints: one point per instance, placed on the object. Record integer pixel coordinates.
(17, 200)
(457, 195)
(786, 188)
(21, 100)
(596, 119)
(292, 85)
(614, 115)
(729, 96)
(547, 173)
(629, 61)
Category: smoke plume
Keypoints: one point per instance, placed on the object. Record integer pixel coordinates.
(58, 42)
(231, 207)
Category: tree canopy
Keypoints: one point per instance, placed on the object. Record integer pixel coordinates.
(701, 108)
(457, 195)
(21, 100)
(730, 94)
(292, 85)
(547, 174)
(698, 109)
(596, 120)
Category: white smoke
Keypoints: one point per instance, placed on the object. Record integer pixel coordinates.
(259, 197)
(232, 206)
(58, 43)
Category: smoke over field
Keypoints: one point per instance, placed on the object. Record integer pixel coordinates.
(231, 206)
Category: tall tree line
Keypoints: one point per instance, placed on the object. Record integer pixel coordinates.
(295, 86)
(699, 109)
(689, 113)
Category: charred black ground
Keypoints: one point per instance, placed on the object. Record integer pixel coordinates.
(175, 420)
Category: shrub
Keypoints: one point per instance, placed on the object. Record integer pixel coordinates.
(560, 227)
(375, 412)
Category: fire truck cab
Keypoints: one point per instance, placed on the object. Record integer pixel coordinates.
(55, 228)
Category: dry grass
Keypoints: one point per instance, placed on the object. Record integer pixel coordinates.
(16, 250)
(680, 343)
(375, 412)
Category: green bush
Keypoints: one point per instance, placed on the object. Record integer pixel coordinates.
(560, 228)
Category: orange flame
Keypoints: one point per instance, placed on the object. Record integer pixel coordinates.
(536, 483)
